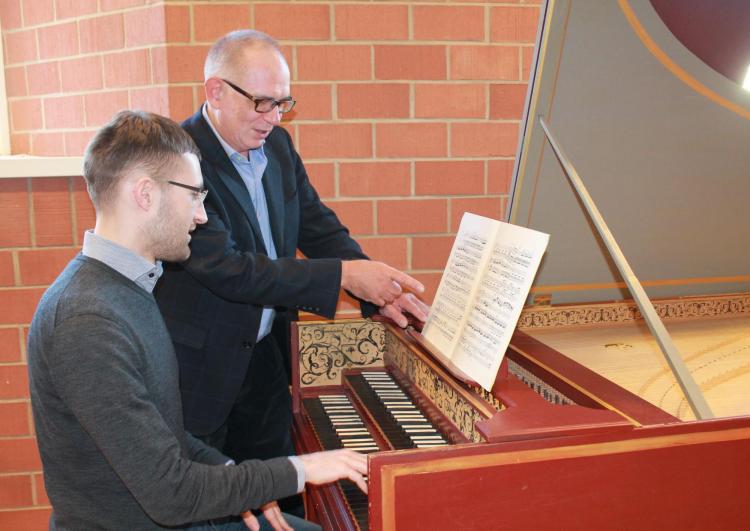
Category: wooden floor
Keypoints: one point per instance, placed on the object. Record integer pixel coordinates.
(717, 352)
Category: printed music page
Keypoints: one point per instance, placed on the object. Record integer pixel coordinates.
(481, 294)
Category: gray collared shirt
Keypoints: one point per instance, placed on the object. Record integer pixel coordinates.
(123, 260)
(251, 170)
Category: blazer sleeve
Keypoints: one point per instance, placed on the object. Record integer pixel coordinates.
(237, 275)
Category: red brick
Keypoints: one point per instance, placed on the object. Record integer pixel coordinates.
(355, 22)
(313, 102)
(321, 175)
(514, 24)
(411, 139)
(15, 491)
(52, 211)
(101, 106)
(44, 78)
(180, 103)
(82, 73)
(356, 215)
(430, 252)
(48, 144)
(449, 177)
(185, 64)
(145, 26)
(333, 62)
(368, 100)
(65, 112)
(499, 176)
(14, 204)
(431, 282)
(484, 139)
(374, 178)
(17, 305)
(41, 491)
(127, 69)
(448, 23)
(58, 41)
(42, 266)
(392, 251)
(444, 100)
(76, 142)
(491, 207)
(335, 141)
(15, 81)
(291, 21)
(153, 99)
(412, 216)
(410, 62)
(85, 216)
(15, 422)
(102, 33)
(26, 519)
(20, 47)
(159, 65)
(10, 345)
(111, 5)
(484, 62)
(7, 277)
(177, 23)
(527, 58)
(19, 455)
(20, 144)
(74, 8)
(37, 12)
(507, 101)
(10, 14)
(14, 381)
(215, 20)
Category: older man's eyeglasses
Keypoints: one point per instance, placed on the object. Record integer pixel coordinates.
(200, 193)
(264, 105)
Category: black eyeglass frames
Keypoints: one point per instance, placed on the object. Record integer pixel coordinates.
(201, 193)
(264, 105)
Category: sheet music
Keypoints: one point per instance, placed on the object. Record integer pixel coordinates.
(482, 292)
(456, 288)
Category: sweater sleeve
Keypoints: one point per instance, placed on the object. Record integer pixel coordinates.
(95, 367)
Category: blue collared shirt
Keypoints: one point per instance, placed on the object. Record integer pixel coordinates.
(129, 264)
(251, 170)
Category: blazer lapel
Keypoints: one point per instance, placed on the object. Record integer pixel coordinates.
(273, 186)
(213, 153)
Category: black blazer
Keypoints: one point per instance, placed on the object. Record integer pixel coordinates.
(212, 303)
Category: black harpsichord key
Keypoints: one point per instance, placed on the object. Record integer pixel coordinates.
(400, 420)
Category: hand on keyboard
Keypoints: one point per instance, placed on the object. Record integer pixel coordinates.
(325, 467)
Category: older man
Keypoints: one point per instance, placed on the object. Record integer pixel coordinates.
(228, 306)
(103, 373)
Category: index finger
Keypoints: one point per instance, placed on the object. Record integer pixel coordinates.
(408, 282)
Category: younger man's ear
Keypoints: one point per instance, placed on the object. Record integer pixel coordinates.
(143, 192)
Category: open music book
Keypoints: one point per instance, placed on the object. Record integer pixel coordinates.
(481, 295)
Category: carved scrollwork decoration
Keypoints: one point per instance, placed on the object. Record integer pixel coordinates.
(328, 348)
(622, 312)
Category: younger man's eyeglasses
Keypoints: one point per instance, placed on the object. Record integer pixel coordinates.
(200, 193)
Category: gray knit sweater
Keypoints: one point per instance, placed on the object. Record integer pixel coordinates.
(104, 391)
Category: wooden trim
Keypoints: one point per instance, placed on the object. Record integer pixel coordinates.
(390, 472)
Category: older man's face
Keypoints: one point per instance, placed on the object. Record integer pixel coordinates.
(263, 74)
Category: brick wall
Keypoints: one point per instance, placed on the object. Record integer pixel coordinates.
(407, 116)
